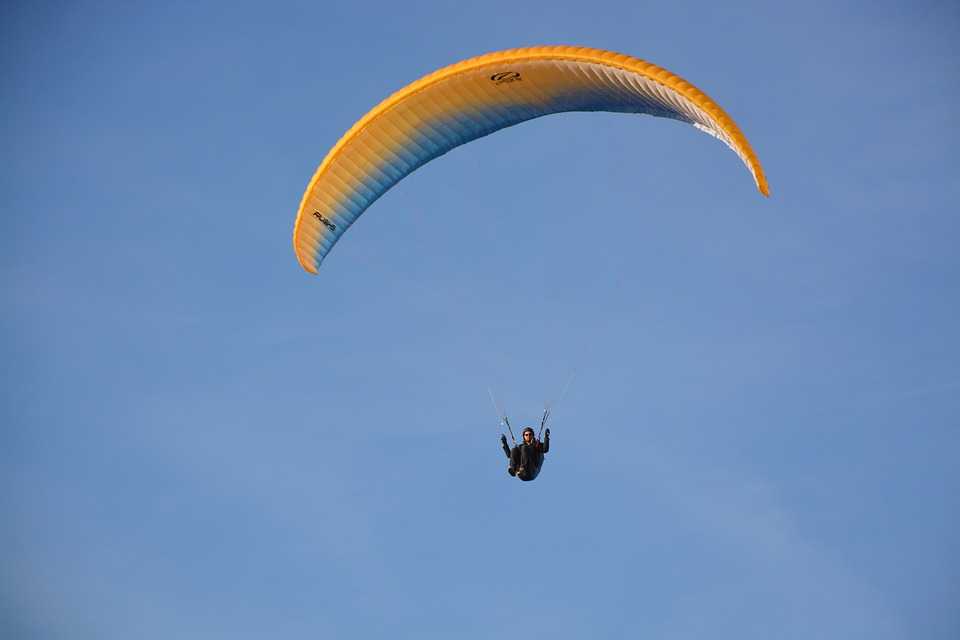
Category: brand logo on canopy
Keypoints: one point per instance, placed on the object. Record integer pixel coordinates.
(505, 76)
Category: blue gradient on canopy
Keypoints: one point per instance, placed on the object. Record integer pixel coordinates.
(421, 148)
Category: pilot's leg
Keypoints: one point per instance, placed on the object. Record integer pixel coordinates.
(523, 460)
(514, 461)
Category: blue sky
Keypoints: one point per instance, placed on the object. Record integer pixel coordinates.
(202, 441)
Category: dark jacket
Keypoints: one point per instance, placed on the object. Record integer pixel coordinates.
(527, 456)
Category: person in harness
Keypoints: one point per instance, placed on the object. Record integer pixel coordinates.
(526, 458)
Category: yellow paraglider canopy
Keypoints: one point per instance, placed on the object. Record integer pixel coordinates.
(477, 97)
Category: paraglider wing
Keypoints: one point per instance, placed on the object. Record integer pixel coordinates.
(476, 97)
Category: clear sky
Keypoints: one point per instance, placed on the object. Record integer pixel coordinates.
(199, 440)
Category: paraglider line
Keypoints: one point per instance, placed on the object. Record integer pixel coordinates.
(503, 417)
(546, 408)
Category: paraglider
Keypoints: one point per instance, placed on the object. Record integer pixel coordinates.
(475, 98)
(526, 458)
